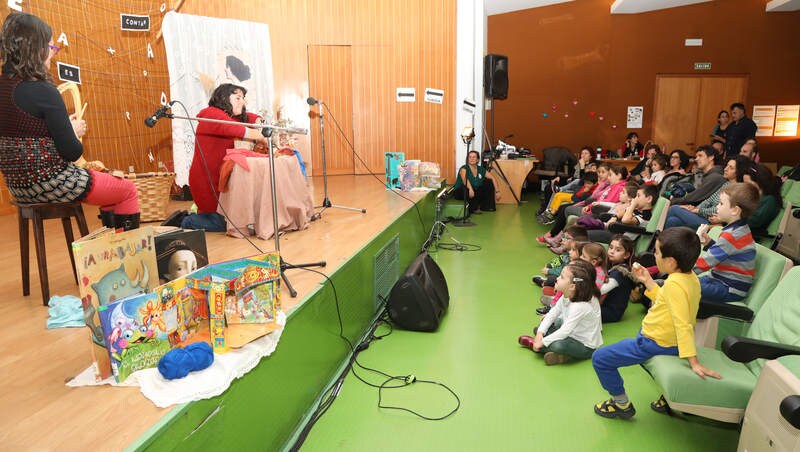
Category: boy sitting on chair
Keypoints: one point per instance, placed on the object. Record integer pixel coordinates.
(732, 258)
(668, 327)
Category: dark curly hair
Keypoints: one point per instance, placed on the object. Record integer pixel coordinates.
(24, 44)
(221, 98)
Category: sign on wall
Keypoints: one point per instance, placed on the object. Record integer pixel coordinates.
(786, 120)
(764, 117)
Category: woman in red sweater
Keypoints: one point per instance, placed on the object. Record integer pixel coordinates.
(212, 140)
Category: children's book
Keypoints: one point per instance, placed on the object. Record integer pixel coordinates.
(180, 252)
(136, 331)
(188, 306)
(111, 266)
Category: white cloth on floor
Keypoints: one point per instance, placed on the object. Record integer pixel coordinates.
(203, 384)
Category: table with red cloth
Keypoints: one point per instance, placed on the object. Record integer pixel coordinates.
(248, 196)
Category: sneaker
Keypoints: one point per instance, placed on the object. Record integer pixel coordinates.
(526, 341)
(548, 221)
(543, 239)
(660, 406)
(610, 409)
(538, 280)
(553, 358)
(543, 310)
(553, 241)
(546, 300)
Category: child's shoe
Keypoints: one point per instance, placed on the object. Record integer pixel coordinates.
(538, 280)
(543, 310)
(526, 341)
(558, 250)
(544, 238)
(553, 358)
(553, 240)
(546, 300)
(660, 406)
(610, 409)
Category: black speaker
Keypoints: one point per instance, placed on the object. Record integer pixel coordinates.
(419, 299)
(495, 76)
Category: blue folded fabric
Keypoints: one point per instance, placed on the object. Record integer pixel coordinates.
(65, 311)
(178, 362)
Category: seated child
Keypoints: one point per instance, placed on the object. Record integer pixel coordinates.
(586, 190)
(637, 213)
(655, 174)
(572, 329)
(617, 290)
(595, 254)
(551, 271)
(732, 258)
(667, 328)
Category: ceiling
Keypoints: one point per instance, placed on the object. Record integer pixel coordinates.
(493, 7)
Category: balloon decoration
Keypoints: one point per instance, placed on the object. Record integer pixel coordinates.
(613, 126)
(591, 113)
(601, 118)
(545, 115)
(554, 107)
(566, 115)
(575, 102)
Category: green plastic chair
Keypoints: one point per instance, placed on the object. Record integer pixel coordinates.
(713, 326)
(790, 192)
(773, 334)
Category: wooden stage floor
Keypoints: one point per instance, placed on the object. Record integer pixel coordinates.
(41, 413)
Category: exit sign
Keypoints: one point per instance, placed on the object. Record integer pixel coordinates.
(702, 66)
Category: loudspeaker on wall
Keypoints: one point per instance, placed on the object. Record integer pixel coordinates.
(419, 299)
(495, 76)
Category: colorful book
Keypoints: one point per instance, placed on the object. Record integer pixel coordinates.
(136, 331)
(188, 307)
(111, 267)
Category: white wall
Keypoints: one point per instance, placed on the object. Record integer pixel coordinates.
(470, 49)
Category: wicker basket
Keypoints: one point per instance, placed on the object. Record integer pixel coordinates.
(154, 190)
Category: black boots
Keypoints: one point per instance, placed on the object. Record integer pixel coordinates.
(107, 218)
(115, 221)
(175, 218)
(126, 222)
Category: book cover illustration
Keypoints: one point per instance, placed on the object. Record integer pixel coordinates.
(257, 296)
(188, 307)
(111, 267)
(180, 252)
(136, 332)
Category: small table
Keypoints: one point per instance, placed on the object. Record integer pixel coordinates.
(248, 199)
(516, 171)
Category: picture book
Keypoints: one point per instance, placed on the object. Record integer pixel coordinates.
(180, 252)
(256, 297)
(136, 331)
(111, 267)
(189, 307)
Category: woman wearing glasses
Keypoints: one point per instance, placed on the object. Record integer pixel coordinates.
(39, 140)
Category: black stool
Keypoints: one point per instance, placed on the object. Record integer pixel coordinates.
(38, 213)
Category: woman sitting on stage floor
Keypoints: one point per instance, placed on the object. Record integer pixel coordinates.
(211, 144)
(475, 185)
(40, 141)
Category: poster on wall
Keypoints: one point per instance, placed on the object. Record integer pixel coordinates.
(786, 120)
(764, 117)
(635, 115)
(203, 53)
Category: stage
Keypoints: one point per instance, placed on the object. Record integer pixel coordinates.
(265, 407)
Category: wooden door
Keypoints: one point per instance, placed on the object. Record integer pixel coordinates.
(330, 80)
(686, 107)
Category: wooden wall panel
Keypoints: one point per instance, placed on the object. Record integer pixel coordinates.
(394, 43)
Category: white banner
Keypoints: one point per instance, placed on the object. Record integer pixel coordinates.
(204, 52)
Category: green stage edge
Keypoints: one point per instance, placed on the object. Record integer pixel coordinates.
(265, 409)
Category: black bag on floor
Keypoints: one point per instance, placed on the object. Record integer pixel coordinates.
(419, 299)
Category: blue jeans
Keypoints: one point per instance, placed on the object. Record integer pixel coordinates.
(712, 289)
(211, 222)
(678, 216)
(627, 352)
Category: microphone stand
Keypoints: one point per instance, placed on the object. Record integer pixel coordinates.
(266, 131)
(326, 202)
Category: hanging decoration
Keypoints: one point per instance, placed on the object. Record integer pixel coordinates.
(545, 115)
(574, 101)
(591, 113)
(15, 4)
(601, 118)
(62, 39)
(150, 53)
(554, 107)
(111, 50)
(128, 115)
(566, 115)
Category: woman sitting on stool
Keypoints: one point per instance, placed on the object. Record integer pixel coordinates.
(475, 185)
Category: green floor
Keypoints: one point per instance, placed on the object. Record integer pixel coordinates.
(509, 399)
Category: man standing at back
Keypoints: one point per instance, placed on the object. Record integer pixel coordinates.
(739, 130)
(707, 176)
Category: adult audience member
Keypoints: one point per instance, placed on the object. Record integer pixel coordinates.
(632, 146)
(723, 119)
(475, 185)
(740, 129)
(769, 205)
(750, 149)
(706, 179)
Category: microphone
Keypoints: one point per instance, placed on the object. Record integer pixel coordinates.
(160, 113)
(296, 130)
(312, 101)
